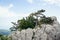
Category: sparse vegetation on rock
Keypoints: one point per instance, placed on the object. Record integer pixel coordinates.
(48, 28)
(31, 21)
(46, 20)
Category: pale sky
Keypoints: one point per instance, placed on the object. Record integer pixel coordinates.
(12, 10)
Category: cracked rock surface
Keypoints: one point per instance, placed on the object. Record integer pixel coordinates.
(47, 32)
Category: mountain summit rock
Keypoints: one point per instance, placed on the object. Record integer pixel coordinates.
(46, 32)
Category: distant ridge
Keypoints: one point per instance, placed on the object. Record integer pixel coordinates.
(4, 32)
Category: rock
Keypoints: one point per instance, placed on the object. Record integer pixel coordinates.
(47, 32)
(29, 34)
(23, 35)
(16, 35)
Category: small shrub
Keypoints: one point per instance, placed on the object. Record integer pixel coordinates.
(24, 23)
(46, 20)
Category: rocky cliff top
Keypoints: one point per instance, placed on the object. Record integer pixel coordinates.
(47, 32)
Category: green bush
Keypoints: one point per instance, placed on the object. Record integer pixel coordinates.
(46, 20)
(24, 23)
(31, 21)
(3, 37)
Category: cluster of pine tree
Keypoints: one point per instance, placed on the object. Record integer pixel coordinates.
(31, 21)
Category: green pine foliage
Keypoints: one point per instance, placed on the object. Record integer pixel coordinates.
(46, 20)
(31, 21)
(27, 22)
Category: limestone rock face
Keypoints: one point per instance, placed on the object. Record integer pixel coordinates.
(47, 32)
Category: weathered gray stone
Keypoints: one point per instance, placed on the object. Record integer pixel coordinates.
(29, 34)
(23, 35)
(47, 32)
